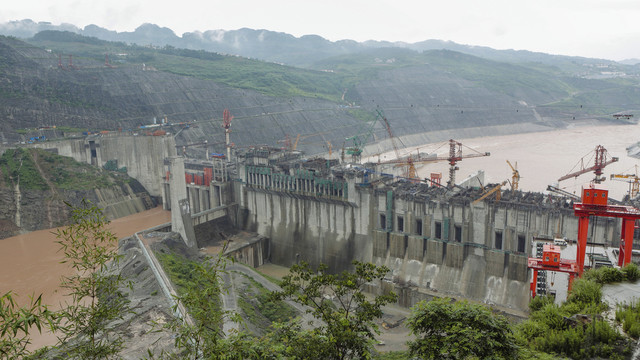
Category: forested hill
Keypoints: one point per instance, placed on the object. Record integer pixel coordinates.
(79, 83)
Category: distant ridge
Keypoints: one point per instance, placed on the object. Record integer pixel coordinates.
(275, 46)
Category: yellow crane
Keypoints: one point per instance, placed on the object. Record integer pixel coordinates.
(495, 189)
(632, 179)
(515, 176)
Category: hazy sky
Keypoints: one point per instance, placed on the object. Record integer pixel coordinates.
(607, 29)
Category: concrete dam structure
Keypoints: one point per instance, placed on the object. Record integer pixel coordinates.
(436, 241)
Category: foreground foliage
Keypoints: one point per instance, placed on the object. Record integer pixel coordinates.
(90, 248)
(574, 329)
(347, 317)
(459, 330)
(17, 322)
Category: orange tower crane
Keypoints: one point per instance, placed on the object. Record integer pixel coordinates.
(515, 176)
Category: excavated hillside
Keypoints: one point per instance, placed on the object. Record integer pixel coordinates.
(35, 186)
(425, 97)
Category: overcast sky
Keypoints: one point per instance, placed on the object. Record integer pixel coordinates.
(608, 29)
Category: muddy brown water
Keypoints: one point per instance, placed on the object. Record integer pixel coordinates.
(30, 263)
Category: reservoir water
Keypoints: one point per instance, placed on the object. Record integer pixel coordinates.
(541, 157)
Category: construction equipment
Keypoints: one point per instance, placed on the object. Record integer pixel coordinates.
(226, 124)
(455, 155)
(515, 176)
(632, 179)
(602, 159)
(391, 137)
(359, 140)
(595, 202)
(496, 189)
(564, 193)
(204, 143)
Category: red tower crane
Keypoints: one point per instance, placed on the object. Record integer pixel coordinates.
(455, 155)
(602, 159)
(226, 124)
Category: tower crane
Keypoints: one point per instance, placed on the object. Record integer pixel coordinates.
(632, 179)
(226, 124)
(455, 155)
(602, 159)
(515, 176)
(360, 139)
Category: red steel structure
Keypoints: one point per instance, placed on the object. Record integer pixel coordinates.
(551, 261)
(595, 203)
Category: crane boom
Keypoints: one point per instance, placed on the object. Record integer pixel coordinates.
(495, 189)
(602, 159)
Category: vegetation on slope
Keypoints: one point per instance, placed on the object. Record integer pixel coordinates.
(40, 170)
(329, 78)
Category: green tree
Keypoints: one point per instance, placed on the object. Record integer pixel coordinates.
(16, 323)
(90, 248)
(459, 330)
(346, 316)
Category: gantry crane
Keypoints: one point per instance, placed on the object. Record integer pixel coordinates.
(515, 176)
(632, 179)
(602, 159)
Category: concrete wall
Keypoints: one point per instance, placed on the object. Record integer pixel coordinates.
(304, 228)
(452, 247)
(143, 156)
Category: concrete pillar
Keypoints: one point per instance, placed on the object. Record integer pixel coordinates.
(180, 209)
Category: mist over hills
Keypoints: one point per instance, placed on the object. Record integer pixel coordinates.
(277, 46)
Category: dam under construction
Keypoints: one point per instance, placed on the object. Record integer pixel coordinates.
(438, 241)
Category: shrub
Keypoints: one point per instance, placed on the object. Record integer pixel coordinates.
(631, 272)
(539, 302)
(585, 292)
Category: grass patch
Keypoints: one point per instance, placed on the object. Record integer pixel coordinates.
(629, 317)
(17, 165)
(259, 308)
(181, 271)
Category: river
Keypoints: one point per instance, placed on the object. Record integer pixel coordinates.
(30, 263)
(541, 157)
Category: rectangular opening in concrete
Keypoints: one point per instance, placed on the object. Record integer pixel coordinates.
(457, 233)
(438, 234)
(383, 221)
(400, 224)
(424, 247)
(444, 251)
(498, 242)
(419, 226)
(506, 261)
(406, 243)
(521, 243)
